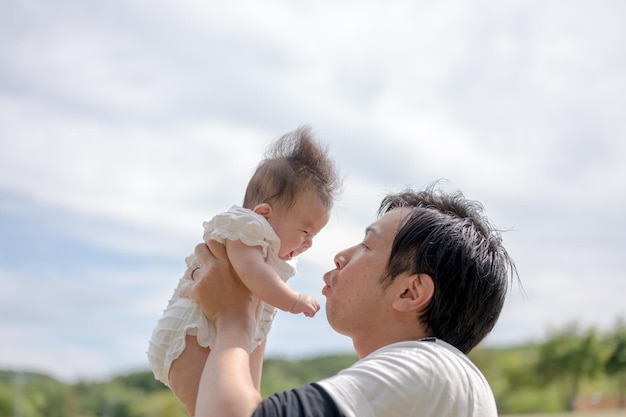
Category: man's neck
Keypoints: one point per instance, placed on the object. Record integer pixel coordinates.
(368, 345)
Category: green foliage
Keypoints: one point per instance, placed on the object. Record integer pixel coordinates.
(161, 404)
(615, 365)
(143, 381)
(7, 399)
(282, 374)
(550, 376)
(538, 377)
(567, 357)
(34, 395)
(512, 380)
(133, 395)
(530, 400)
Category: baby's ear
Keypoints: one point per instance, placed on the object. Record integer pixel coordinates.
(263, 209)
(415, 294)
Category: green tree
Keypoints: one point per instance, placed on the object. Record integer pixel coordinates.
(283, 374)
(161, 403)
(615, 365)
(7, 399)
(143, 380)
(567, 357)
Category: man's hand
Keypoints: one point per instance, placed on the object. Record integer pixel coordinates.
(217, 289)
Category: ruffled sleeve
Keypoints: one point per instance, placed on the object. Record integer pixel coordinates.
(242, 224)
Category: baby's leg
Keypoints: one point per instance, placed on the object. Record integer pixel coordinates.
(256, 364)
(185, 373)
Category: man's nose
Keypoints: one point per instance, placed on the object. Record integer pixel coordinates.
(341, 259)
(345, 255)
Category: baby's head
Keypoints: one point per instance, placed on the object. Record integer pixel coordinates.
(294, 188)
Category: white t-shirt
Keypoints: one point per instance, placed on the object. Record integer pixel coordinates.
(421, 378)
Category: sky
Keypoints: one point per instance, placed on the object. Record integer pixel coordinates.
(125, 124)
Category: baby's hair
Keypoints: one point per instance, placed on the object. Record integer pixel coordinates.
(294, 163)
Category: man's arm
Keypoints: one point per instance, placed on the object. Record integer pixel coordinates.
(226, 386)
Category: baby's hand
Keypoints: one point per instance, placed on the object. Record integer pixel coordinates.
(305, 304)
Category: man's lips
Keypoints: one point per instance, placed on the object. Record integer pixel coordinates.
(326, 288)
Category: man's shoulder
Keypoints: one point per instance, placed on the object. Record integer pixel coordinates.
(420, 376)
(426, 359)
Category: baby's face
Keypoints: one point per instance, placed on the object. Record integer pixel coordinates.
(298, 225)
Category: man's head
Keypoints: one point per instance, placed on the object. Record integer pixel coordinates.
(448, 238)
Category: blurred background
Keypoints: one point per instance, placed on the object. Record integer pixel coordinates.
(125, 124)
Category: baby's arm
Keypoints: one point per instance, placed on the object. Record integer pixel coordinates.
(263, 281)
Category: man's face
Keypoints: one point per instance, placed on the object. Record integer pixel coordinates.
(356, 305)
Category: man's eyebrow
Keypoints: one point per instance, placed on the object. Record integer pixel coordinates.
(371, 229)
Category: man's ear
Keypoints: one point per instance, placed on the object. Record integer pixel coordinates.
(417, 291)
(263, 209)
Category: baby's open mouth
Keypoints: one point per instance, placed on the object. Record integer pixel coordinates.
(288, 256)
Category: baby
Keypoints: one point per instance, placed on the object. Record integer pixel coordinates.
(287, 202)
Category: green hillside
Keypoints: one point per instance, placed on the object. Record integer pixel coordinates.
(572, 369)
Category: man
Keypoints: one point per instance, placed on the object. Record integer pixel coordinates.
(425, 286)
